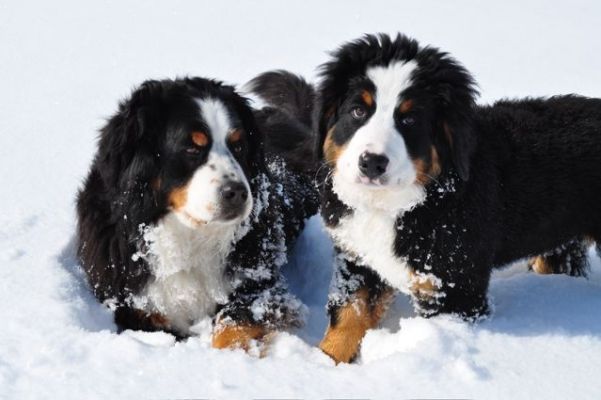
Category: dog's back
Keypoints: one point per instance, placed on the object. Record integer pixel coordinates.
(548, 154)
(286, 120)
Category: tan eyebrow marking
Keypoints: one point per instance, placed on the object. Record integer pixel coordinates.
(367, 98)
(406, 106)
(235, 135)
(200, 138)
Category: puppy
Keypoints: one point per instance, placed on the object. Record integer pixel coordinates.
(425, 192)
(184, 215)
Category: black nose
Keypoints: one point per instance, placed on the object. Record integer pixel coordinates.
(233, 194)
(372, 165)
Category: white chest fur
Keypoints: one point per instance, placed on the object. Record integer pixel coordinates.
(369, 236)
(188, 270)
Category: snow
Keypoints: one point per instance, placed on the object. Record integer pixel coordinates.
(64, 65)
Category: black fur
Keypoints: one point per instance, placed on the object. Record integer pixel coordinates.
(517, 179)
(570, 258)
(140, 160)
(290, 102)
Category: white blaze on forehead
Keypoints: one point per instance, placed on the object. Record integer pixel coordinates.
(390, 81)
(215, 115)
(380, 133)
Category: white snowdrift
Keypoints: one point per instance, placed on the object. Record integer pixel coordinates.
(64, 65)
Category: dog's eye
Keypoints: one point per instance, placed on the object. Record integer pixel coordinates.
(193, 151)
(358, 113)
(237, 148)
(408, 121)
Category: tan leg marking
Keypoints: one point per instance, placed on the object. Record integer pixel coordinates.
(237, 336)
(425, 287)
(540, 265)
(342, 341)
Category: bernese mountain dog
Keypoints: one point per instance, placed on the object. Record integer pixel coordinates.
(425, 192)
(189, 209)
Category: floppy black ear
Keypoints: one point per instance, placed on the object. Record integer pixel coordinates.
(455, 95)
(129, 134)
(461, 140)
(256, 137)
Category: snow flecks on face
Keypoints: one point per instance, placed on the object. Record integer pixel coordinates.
(199, 202)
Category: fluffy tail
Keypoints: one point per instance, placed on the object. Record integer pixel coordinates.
(286, 120)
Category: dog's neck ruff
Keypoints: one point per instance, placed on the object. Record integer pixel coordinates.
(188, 269)
(367, 236)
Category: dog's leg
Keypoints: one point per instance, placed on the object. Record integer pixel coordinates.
(462, 294)
(131, 318)
(569, 258)
(236, 336)
(358, 303)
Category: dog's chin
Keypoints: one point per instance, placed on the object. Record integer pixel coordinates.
(193, 221)
(384, 197)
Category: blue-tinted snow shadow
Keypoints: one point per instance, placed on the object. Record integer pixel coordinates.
(528, 304)
(309, 272)
(525, 304)
(89, 314)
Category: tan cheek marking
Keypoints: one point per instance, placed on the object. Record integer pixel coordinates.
(406, 106)
(236, 336)
(367, 98)
(178, 197)
(342, 341)
(331, 150)
(427, 171)
(200, 138)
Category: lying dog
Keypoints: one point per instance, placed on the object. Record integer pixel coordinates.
(184, 215)
(424, 192)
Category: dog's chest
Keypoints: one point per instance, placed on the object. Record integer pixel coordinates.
(369, 238)
(188, 268)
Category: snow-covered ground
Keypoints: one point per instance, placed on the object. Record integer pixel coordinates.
(64, 65)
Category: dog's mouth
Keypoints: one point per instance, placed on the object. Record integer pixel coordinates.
(372, 183)
(233, 215)
(193, 221)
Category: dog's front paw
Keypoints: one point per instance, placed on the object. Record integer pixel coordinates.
(341, 346)
(237, 336)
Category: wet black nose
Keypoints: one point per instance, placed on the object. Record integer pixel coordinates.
(233, 194)
(372, 165)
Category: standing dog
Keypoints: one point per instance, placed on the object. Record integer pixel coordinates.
(188, 212)
(425, 192)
